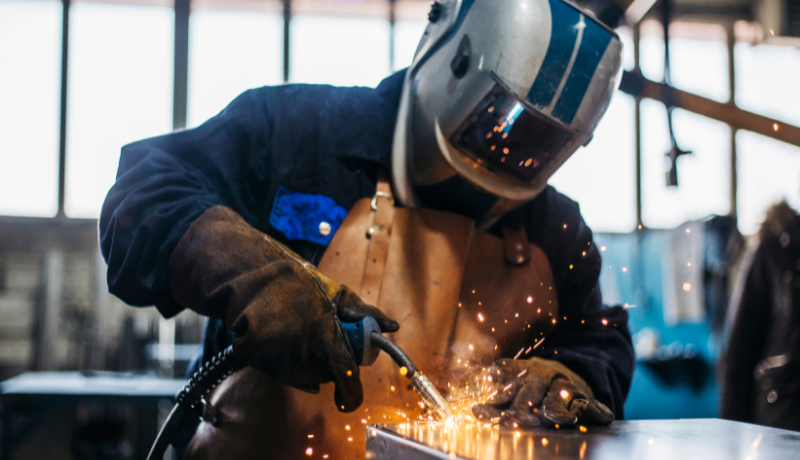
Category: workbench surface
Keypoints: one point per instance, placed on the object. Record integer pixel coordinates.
(687, 439)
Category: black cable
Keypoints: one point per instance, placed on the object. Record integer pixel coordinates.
(398, 355)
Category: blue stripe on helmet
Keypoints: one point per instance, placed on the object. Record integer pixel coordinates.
(593, 45)
(562, 42)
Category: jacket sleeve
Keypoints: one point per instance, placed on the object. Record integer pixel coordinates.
(164, 183)
(746, 343)
(593, 341)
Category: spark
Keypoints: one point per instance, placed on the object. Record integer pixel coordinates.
(349, 373)
(392, 388)
(519, 353)
(625, 269)
(538, 343)
(544, 441)
(491, 109)
(557, 426)
(471, 347)
(403, 371)
(505, 150)
(480, 317)
(326, 455)
(688, 264)
(516, 315)
(687, 287)
(564, 394)
(492, 395)
(772, 32)
(538, 310)
(650, 442)
(529, 348)
(529, 299)
(565, 225)
(602, 249)
(775, 127)
(507, 387)
(350, 439)
(605, 322)
(583, 429)
(522, 373)
(626, 306)
(688, 230)
(347, 427)
(364, 421)
(309, 451)
(570, 266)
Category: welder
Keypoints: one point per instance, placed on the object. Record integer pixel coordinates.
(422, 203)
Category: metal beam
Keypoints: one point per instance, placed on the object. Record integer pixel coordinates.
(636, 85)
(62, 141)
(287, 18)
(180, 88)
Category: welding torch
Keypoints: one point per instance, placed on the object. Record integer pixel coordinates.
(366, 341)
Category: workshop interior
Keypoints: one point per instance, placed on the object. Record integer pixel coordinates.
(689, 182)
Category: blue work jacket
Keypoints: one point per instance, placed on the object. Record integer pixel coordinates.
(286, 158)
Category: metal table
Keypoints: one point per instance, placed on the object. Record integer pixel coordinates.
(38, 393)
(700, 439)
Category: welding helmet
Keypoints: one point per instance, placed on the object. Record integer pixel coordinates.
(500, 93)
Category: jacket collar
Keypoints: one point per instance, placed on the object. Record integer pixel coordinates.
(375, 117)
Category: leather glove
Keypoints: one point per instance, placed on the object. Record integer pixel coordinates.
(534, 390)
(285, 314)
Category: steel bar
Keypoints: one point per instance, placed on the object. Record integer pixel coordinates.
(638, 86)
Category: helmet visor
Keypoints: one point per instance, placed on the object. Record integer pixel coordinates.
(506, 136)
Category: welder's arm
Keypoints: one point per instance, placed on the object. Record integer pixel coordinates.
(746, 344)
(285, 314)
(593, 341)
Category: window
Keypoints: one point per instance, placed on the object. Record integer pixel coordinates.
(698, 57)
(120, 90)
(767, 81)
(602, 176)
(411, 19)
(230, 52)
(703, 176)
(768, 171)
(30, 88)
(339, 50)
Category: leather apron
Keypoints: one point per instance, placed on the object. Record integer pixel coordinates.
(461, 296)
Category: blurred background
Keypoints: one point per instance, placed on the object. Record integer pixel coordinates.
(79, 79)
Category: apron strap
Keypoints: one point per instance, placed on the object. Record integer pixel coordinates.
(379, 235)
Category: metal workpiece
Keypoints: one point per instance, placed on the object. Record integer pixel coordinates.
(696, 439)
(431, 397)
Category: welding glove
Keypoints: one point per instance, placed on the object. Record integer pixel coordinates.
(285, 314)
(534, 390)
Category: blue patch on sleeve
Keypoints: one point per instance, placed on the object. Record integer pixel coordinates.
(298, 216)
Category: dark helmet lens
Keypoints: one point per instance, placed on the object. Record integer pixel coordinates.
(502, 133)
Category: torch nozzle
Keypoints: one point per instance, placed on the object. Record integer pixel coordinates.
(421, 383)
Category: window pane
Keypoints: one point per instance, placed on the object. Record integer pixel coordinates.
(120, 90)
(768, 171)
(30, 87)
(230, 52)
(703, 176)
(407, 35)
(626, 36)
(602, 176)
(767, 80)
(698, 57)
(339, 51)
